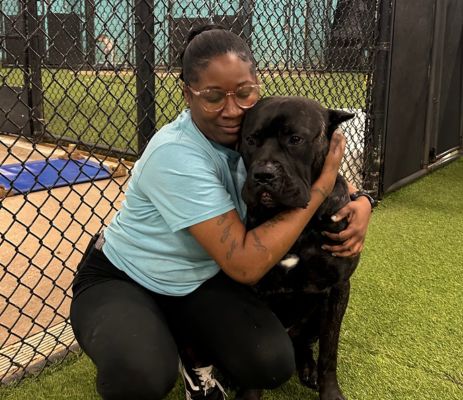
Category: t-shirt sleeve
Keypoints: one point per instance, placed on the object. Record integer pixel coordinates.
(184, 184)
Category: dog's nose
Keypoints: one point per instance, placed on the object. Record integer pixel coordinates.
(265, 173)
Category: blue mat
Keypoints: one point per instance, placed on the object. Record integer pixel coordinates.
(46, 174)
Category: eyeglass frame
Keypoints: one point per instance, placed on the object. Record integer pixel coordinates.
(227, 93)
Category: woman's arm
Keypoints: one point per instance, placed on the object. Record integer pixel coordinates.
(358, 214)
(246, 256)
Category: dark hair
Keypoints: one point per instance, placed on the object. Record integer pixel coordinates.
(207, 41)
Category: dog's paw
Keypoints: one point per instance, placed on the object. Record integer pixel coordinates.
(308, 377)
(332, 393)
(249, 394)
(335, 397)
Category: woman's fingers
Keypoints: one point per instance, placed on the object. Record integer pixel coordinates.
(336, 151)
(346, 249)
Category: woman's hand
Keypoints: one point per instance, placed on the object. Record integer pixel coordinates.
(325, 183)
(358, 214)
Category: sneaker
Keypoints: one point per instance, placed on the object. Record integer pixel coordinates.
(200, 384)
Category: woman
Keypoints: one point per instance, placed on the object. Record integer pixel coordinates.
(173, 270)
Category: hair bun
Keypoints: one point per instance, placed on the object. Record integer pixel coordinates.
(201, 48)
(196, 30)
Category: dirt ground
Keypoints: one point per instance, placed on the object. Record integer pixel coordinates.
(42, 237)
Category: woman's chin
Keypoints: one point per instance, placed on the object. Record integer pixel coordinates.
(229, 139)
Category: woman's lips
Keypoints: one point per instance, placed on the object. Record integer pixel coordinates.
(232, 130)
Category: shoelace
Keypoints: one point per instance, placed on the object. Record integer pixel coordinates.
(207, 380)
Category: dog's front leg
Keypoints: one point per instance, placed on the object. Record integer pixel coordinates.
(249, 394)
(335, 308)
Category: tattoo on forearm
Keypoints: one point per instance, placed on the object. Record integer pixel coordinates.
(257, 243)
(225, 234)
(273, 221)
(233, 247)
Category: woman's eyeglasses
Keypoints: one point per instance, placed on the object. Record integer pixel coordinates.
(213, 100)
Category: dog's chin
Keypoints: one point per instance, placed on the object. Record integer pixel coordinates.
(267, 200)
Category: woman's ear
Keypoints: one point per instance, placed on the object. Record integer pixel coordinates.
(186, 95)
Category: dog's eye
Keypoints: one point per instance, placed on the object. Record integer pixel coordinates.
(251, 140)
(294, 140)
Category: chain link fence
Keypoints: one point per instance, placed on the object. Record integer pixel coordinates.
(85, 84)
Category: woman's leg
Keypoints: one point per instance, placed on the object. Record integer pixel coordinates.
(121, 328)
(226, 322)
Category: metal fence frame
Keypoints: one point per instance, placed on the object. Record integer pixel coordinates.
(148, 81)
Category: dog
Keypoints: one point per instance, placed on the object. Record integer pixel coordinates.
(284, 144)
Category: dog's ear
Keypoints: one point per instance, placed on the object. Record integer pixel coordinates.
(335, 118)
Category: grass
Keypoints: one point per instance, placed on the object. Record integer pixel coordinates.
(102, 108)
(401, 338)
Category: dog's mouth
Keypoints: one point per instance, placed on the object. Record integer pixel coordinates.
(267, 200)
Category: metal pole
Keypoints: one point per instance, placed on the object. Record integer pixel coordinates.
(461, 99)
(89, 25)
(33, 68)
(307, 63)
(144, 58)
(375, 132)
(435, 80)
(246, 7)
(287, 29)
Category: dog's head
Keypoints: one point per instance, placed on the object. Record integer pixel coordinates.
(284, 144)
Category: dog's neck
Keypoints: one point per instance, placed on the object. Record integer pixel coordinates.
(321, 220)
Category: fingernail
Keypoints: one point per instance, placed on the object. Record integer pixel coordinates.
(323, 234)
(334, 218)
(323, 247)
(334, 255)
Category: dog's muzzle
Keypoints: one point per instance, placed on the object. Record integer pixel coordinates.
(267, 181)
(266, 173)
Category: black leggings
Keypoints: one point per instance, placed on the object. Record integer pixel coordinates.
(131, 334)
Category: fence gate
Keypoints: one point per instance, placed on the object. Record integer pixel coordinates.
(65, 40)
(446, 106)
(21, 105)
(424, 125)
(14, 114)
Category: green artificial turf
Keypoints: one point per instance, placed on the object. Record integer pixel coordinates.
(403, 331)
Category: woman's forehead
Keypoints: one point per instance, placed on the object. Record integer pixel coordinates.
(226, 71)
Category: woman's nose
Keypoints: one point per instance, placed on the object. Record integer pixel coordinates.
(231, 108)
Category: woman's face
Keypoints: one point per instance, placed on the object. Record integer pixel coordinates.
(226, 72)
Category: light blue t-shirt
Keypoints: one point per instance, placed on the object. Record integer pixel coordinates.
(181, 179)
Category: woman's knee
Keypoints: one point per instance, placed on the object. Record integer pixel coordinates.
(134, 379)
(267, 366)
(275, 367)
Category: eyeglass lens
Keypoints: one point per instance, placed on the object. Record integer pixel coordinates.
(245, 97)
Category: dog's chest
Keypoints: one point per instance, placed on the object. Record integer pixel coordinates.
(307, 268)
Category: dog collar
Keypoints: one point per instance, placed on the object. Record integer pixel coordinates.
(359, 193)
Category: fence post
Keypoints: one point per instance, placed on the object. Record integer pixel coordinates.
(373, 152)
(89, 25)
(144, 59)
(246, 7)
(33, 72)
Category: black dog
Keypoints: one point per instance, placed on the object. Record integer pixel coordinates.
(284, 144)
